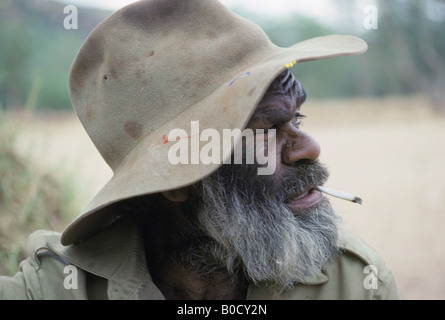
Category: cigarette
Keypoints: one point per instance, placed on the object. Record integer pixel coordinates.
(339, 194)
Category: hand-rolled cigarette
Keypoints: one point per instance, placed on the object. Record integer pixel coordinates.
(339, 194)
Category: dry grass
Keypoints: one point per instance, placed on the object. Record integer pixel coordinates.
(30, 198)
(390, 152)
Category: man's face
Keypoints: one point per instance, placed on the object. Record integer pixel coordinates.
(281, 111)
(270, 227)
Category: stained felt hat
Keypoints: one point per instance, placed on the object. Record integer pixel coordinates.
(157, 65)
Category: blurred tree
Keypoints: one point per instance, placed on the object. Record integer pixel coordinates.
(14, 52)
(323, 78)
(413, 41)
(36, 52)
(406, 53)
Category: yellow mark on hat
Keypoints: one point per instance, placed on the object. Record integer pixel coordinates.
(290, 64)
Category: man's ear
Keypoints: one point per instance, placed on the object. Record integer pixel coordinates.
(177, 195)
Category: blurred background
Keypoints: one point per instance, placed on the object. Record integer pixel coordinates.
(379, 117)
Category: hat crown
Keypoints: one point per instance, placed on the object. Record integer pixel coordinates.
(151, 60)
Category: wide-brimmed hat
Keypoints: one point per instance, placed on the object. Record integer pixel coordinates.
(157, 65)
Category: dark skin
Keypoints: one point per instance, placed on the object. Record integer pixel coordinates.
(174, 280)
(275, 111)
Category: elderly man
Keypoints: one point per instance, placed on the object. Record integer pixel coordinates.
(184, 216)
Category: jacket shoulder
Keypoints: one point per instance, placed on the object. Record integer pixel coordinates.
(43, 274)
(365, 266)
(350, 244)
(357, 272)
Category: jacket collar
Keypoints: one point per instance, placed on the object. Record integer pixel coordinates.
(117, 254)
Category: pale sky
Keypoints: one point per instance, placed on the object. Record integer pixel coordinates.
(322, 9)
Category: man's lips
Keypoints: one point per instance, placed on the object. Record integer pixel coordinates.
(305, 200)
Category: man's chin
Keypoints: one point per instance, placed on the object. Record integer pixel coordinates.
(255, 232)
(281, 247)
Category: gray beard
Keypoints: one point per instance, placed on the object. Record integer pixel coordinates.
(245, 227)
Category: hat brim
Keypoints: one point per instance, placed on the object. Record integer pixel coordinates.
(147, 170)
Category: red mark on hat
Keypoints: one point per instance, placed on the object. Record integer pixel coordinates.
(164, 137)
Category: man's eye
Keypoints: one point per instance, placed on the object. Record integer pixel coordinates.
(296, 119)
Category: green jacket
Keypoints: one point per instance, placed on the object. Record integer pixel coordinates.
(111, 265)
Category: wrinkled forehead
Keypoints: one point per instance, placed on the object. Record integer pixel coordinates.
(284, 87)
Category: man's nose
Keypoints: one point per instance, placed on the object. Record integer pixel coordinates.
(299, 145)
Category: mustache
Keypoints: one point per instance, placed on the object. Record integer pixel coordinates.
(300, 177)
(292, 180)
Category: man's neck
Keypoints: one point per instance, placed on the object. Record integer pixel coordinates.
(166, 234)
(177, 282)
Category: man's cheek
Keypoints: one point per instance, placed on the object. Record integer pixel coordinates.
(266, 151)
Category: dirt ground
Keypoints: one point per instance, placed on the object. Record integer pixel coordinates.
(390, 152)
